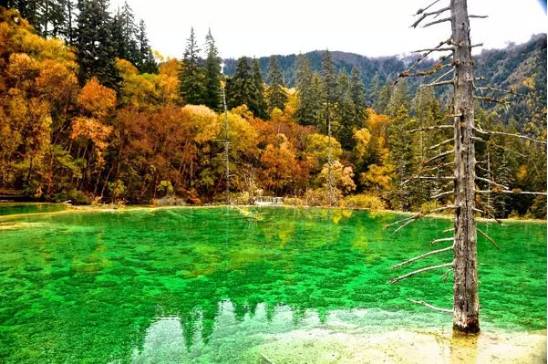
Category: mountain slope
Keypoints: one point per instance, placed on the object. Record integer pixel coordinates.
(516, 66)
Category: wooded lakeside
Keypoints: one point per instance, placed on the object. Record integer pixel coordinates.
(90, 114)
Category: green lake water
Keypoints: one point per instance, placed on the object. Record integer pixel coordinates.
(209, 285)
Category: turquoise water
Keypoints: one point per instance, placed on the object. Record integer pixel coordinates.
(24, 208)
(209, 285)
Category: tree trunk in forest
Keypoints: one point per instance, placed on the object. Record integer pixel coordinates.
(465, 288)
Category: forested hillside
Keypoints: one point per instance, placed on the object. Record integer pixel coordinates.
(511, 67)
(87, 114)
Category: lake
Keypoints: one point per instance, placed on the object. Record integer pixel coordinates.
(251, 285)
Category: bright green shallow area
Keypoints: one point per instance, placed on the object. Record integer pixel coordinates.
(210, 284)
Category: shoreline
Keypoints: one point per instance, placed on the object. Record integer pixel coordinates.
(137, 207)
(404, 345)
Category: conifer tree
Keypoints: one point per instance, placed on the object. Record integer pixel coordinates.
(129, 36)
(213, 74)
(401, 148)
(357, 91)
(146, 62)
(277, 97)
(382, 99)
(329, 93)
(95, 46)
(346, 112)
(308, 92)
(240, 89)
(260, 107)
(48, 17)
(192, 75)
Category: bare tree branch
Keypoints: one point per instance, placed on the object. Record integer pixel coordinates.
(440, 83)
(427, 14)
(511, 92)
(494, 132)
(436, 22)
(419, 271)
(490, 239)
(491, 182)
(431, 306)
(420, 11)
(442, 194)
(435, 68)
(418, 216)
(441, 155)
(422, 256)
(436, 49)
(432, 128)
(515, 191)
(433, 242)
(440, 144)
(438, 167)
(491, 99)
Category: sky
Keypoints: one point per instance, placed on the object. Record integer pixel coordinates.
(368, 27)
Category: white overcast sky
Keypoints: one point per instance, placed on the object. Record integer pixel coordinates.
(368, 27)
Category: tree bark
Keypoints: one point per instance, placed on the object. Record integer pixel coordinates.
(465, 288)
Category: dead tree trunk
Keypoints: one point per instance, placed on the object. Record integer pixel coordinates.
(465, 287)
(465, 260)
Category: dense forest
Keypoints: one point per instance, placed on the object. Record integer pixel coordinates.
(89, 114)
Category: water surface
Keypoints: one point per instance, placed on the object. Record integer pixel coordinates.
(212, 285)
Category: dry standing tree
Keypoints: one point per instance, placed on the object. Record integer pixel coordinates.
(456, 69)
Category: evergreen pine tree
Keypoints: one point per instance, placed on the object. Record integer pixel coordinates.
(308, 92)
(48, 17)
(240, 89)
(260, 107)
(277, 97)
(347, 119)
(95, 46)
(213, 74)
(146, 62)
(402, 154)
(192, 75)
(357, 91)
(382, 100)
(68, 31)
(329, 93)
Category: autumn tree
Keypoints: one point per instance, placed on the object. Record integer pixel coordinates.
(39, 83)
(91, 131)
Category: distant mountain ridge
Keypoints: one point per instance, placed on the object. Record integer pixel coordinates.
(506, 67)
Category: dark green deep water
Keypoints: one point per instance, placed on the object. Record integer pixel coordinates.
(209, 284)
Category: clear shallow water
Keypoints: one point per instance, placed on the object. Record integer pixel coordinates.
(210, 284)
(24, 208)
